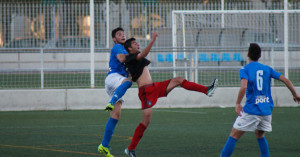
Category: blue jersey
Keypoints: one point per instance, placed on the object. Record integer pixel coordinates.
(259, 100)
(115, 66)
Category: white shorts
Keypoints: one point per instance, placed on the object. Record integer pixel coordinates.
(112, 82)
(248, 122)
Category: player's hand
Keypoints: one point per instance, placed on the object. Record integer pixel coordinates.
(154, 35)
(297, 99)
(239, 109)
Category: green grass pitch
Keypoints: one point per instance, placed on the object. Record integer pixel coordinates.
(176, 132)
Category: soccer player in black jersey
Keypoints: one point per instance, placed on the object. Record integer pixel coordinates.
(150, 91)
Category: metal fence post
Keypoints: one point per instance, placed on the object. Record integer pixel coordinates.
(92, 43)
(42, 68)
(196, 66)
(286, 39)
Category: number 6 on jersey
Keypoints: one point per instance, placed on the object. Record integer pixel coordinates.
(259, 79)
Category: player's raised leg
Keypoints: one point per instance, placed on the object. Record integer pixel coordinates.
(120, 91)
(192, 86)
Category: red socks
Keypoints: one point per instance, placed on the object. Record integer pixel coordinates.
(138, 134)
(193, 86)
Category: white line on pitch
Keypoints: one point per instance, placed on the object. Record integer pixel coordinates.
(55, 126)
(181, 111)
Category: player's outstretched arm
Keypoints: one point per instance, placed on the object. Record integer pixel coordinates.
(290, 86)
(243, 88)
(147, 49)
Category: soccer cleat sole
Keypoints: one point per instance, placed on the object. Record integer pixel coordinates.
(109, 107)
(211, 92)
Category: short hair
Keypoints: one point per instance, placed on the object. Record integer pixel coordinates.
(114, 31)
(127, 43)
(254, 52)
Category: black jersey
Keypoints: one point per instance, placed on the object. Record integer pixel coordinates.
(135, 67)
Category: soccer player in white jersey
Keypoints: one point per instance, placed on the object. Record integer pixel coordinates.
(116, 84)
(255, 116)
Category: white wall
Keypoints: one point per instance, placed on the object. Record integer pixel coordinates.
(77, 99)
(51, 60)
(82, 60)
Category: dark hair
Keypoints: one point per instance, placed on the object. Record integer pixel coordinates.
(127, 43)
(114, 31)
(254, 52)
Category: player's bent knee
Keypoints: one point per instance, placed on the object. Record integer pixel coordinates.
(125, 80)
(146, 122)
(236, 134)
(259, 134)
(115, 115)
(178, 80)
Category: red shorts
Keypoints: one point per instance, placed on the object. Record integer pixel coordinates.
(149, 94)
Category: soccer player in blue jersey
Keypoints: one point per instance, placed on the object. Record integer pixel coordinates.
(255, 116)
(116, 84)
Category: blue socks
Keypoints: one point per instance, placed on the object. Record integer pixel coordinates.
(230, 144)
(109, 130)
(263, 146)
(120, 91)
(229, 147)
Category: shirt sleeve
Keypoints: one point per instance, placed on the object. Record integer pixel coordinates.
(130, 57)
(274, 73)
(120, 50)
(243, 74)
